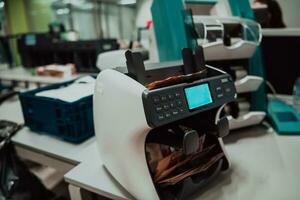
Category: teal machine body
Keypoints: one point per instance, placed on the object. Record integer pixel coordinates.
(171, 23)
(173, 26)
(174, 31)
(284, 117)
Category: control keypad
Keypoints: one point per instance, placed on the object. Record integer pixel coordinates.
(168, 106)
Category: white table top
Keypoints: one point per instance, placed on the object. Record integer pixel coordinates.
(281, 32)
(92, 176)
(264, 166)
(74, 153)
(21, 74)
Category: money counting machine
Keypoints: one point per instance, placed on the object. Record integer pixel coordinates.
(229, 43)
(159, 130)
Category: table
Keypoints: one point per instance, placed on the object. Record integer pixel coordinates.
(19, 74)
(264, 166)
(41, 148)
(91, 176)
(50, 151)
(281, 32)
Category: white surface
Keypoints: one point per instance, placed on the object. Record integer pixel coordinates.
(240, 47)
(281, 32)
(143, 12)
(265, 166)
(222, 9)
(121, 129)
(73, 153)
(121, 141)
(93, 177)
(248, 84)
(81, 88)
(65, 70)
(111, 59)
(218, 51)
(22, 75)
(11, 110)
(290, 12)
(249, 119)
(283, 97)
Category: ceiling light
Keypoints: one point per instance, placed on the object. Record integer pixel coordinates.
(2, 4)
(62, 11)
(127, 2)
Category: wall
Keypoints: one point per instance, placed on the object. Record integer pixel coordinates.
(39, 14)
(143, 12)
(290, 9)
(16, 14)
(28, 15)
(84, 24)
(17, 20)
(128, 23)
(115, 21)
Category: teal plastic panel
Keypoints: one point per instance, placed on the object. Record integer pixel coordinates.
(201, 1)
(243, 9)
(256, 67)
(172, 23)
(285, 119)
(170, 20)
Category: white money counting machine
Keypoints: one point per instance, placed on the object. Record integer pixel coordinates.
(151, 106)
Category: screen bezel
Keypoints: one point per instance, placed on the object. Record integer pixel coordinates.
(203, 106)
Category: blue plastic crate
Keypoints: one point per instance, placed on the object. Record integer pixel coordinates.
(5, 87)
(72, 122)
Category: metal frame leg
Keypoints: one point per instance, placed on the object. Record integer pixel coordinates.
(75, 192)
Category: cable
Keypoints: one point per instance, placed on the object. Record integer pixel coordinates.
(272, 88)
(275, 94)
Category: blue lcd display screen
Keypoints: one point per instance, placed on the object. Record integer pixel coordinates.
(198, 96)
(30, 40)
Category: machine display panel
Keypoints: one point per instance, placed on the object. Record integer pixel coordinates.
(198, 96)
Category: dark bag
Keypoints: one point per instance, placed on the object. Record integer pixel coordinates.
(16, 181)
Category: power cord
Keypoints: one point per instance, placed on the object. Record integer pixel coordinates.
(272, 88)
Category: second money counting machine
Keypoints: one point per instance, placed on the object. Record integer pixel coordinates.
(159, 130)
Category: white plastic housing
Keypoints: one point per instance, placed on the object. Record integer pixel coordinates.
(249, 119)
(218, 51)
(121, 130)
(241, 48)
(248, 84)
